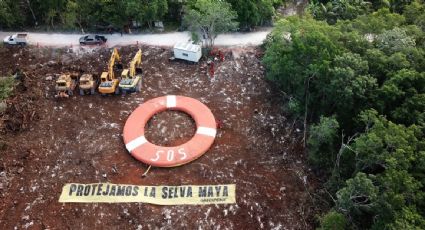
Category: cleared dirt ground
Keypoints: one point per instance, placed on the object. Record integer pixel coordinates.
(46, 142)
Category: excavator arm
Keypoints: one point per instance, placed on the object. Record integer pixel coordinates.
(109, 76)
(137, 60)
(114, 57)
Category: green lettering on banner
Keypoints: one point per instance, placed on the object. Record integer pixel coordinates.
(160, 195)
(210, 191)
(189, 191)
(87, 190)
(135, 191)
(99, 190)
(146, 191)
(93, 189)
(80, 190)
(164, 192)
(182, 190)
(217, 189)
(153, 191)
(225, 191)
(72, 189)
(202, 191)
(106, 192)
(128, 190)
(112, 192)
(120, 190)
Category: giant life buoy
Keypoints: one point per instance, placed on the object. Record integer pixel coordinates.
(160, 156)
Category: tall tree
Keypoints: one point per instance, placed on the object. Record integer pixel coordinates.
(28, 2)
(8, 11)
(253, 12)
(415, 14)
(148, 12)
(298, 57)
(210, 18)
(335, 10)
(78, 13)
(155, 11)
(6, 18)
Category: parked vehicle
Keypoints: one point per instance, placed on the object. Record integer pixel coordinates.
(92, 40)
(131, 78)
(108, 81)
(16, 39)
(87, 84)
(187, 51)
(65, 84)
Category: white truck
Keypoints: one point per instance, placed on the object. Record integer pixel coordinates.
(16, 39)
(187, 51)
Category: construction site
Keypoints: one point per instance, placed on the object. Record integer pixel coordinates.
(51, 136)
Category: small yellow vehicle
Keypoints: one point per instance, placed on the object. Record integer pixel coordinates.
(131, 79)
(66, 84)
(108, 82)
(87, 84)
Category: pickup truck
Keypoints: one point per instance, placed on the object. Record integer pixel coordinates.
(16, 39)
(92, 40)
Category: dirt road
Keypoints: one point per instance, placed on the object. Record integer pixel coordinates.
(163, 39)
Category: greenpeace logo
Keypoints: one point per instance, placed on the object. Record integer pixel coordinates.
(213, 200)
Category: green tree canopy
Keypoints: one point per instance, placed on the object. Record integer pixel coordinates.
(298, 56)
(209, 18)
(335, 10)
(253, 12)
(7, 18)
(362, 82)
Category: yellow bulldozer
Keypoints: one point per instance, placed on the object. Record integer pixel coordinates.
(131, 79)
(87, 84)
(108, 82)
(66, 84)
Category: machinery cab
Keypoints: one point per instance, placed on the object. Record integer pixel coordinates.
(60, 84)
(139, 70)
(126, 79)
(125, 74)
(105, 82)
(63, 82)
(110, 76)
(104, 77)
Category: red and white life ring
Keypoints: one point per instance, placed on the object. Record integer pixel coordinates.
(160, 156)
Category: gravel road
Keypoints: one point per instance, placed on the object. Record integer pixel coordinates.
(163, 39)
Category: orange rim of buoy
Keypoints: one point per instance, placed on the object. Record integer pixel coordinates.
(161, 156)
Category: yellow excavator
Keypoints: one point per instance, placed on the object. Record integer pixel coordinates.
(131, 79)
(108, 82)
